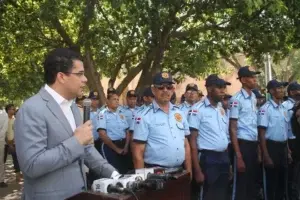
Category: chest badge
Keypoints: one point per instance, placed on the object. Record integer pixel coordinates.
(122, 116)
(178, 117)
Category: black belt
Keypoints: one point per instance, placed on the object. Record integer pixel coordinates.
(210, 151)
(283, 143)
(242, 141)
(119, 143)
(148, 165)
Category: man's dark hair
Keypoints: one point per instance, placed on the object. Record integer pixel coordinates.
(59, 60)
(9, 106)
(110, 94)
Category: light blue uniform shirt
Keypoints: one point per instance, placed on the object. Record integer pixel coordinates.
(164, 134)
(114, 123)
(141, 108)
(212, 125)
(129, 113)
(289, 104)
(243, 108)
(93, 117)
(185, 108)
(274, 118)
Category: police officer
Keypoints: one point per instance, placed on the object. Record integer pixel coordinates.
(94, 96)
(293, 91)
(209, 124)
(131, 108)
(243, 134)
(160, 131)
(225, 105)
(113, 130)
(109, 90)
(273, 129)
(147, 98)
(261, 99)
(191, 97)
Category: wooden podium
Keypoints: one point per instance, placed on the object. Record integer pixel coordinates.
(178, 189)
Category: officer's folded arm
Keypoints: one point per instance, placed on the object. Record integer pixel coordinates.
(138, 150)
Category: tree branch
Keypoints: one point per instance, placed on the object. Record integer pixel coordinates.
(88, 16)
(198, 30)
(109, 24)
(62, 32)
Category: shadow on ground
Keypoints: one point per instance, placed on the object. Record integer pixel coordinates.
(13, 191)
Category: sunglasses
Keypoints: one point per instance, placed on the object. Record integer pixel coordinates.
(162, 87)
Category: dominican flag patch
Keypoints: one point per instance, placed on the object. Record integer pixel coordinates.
(234, 104)
(138, 120)
(262, 112)
(193, 112)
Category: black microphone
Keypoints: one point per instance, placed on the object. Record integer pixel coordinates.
(115, 189)
(164, 177)
(152, 184)
(86, 109)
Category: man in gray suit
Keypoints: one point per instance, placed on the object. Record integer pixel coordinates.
(52, 143)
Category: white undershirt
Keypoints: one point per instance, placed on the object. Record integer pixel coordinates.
(64, 104)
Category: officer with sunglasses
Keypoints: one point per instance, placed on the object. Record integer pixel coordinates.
(160, 131)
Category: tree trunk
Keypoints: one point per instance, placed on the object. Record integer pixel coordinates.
(134, 71)
(92, 75)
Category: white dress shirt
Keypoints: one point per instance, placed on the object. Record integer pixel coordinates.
(64, 104)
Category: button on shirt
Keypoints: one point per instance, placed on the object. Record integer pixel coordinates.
(164, 134)
(274, 118)
(243, 108)
(185, 108)
(289, 104)
(212, 125)
(114, 123)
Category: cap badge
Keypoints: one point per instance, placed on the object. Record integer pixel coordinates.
(165, 75)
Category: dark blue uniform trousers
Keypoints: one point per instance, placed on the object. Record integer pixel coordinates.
(215, 166)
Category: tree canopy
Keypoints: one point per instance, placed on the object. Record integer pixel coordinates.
(122, 38)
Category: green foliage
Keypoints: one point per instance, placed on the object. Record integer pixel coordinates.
(124, 37)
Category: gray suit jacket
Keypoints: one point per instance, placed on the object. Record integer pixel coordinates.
(50, 157)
